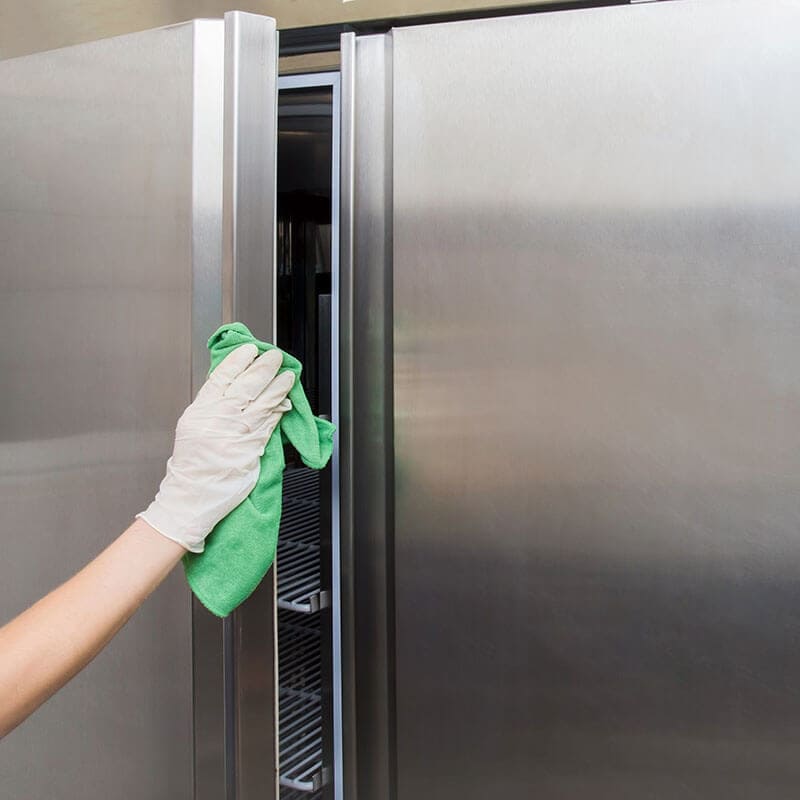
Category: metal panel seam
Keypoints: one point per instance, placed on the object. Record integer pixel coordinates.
(344, 456)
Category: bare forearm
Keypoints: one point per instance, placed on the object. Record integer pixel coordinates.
(219, 441)
(49, 643)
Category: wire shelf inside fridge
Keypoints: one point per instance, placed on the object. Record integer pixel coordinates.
(299, 586)
(296, 794)
(300, 705)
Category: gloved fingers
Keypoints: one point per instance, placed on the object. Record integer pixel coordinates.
(252, 382)
(228, 370)
(268, 425)
(273, 396)
(285, 406)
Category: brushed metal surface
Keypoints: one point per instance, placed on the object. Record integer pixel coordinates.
(342, 400)
(97, 222)
(207, 171)
(341, 546)
(251, 98)
(365, 433)
(251, 107)
(597, 404)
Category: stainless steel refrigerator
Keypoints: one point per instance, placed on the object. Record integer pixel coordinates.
(546, 266)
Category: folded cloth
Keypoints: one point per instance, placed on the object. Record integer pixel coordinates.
(241, 548)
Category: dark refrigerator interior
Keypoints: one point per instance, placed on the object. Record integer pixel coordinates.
(304, 206)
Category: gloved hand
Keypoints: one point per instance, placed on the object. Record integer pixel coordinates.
(218, 443)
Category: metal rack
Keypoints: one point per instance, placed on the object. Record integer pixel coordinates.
(298, 544)
(302, 773)
(293, 794)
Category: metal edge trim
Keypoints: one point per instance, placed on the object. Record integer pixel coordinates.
(340, 547)
(389, 406)
(229, 275)
(251, 67)
(208, 740)
(345, 780)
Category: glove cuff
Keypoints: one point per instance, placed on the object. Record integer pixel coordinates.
(160, 520)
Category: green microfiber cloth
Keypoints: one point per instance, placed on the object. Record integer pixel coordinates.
(241, 548)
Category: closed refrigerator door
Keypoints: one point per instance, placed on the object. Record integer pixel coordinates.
(132, 185)
(596, 391)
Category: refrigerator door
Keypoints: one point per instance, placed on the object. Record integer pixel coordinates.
(596, 282)
(134, 178)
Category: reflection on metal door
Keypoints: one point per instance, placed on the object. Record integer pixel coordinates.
(596, 403)
(97, 225)
(138, 194)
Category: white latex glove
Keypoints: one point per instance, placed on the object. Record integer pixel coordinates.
(218, 443)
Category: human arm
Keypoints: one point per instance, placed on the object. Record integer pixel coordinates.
(214, 466)
(45, 646)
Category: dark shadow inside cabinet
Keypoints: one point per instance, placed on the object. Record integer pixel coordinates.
(304, 259)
